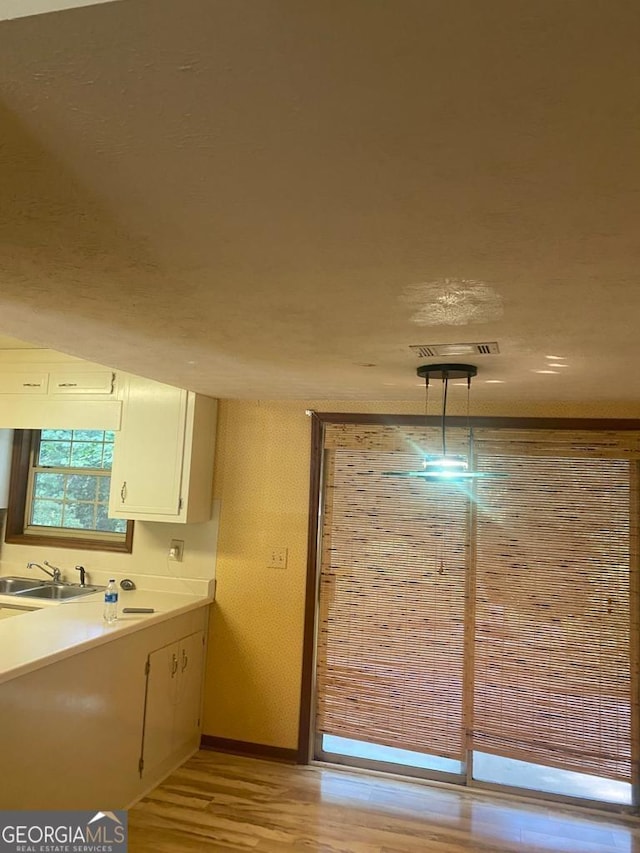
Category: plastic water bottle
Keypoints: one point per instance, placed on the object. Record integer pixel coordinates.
(111, 602)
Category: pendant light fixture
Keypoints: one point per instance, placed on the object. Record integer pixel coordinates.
(443, 465)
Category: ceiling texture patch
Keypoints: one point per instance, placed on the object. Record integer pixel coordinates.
(452, 302)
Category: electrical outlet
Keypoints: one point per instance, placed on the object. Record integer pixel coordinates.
(277, 558)
(176, 550)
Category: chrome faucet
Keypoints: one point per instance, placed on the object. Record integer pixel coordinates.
(55, 573)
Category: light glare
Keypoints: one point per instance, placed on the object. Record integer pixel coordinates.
(445, 463)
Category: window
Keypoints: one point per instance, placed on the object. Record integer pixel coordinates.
(59, 492)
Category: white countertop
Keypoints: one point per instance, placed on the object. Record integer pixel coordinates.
(58, 630)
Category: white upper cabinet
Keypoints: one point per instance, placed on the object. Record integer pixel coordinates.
(12, 382)
(76, 382)
(64, 382)
(163, 454)
(164, 436)
(42, 389)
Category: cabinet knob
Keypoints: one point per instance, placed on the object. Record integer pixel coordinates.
(123, 492)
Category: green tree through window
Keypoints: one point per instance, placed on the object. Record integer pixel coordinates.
(59, 491)
(69, 481)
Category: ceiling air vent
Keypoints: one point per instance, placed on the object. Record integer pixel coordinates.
(452, 350)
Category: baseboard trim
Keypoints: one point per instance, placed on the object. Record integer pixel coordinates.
(253, 750)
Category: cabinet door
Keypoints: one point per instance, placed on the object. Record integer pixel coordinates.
(189, 693)
(148, 451)
(173, 699)
(24, 383)
(159, 711)
(70, 382)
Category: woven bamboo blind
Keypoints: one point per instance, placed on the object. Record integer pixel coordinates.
(551, 668)
(390, 648)
(552, 631)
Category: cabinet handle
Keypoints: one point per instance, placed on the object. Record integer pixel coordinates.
(185, 660)
(174, 665)
(32, 384)
(67, 384)
(123, 492)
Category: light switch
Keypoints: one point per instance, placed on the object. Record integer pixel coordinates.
(277, 558)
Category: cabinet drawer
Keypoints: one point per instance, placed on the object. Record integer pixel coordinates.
(24, 383)
(82, 383)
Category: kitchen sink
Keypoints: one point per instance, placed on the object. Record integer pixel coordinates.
(56, 591)
(9, 586)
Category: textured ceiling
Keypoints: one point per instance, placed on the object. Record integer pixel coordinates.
(275, 199)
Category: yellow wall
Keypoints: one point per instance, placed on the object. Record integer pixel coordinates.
(262, 483)
(261, 489)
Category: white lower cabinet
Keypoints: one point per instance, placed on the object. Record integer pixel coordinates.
(172, 701)
(100, 707)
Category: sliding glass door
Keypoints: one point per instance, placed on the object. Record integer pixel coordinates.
(484, 636)
(552, 656)
(390, 652)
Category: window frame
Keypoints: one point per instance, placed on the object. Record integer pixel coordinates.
(16, 532)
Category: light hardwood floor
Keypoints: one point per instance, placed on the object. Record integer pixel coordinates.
(223, 802)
